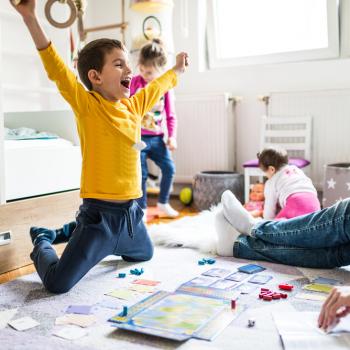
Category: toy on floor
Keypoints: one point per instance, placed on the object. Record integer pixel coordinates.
(209, 261)
(256, 200)
(186, 196)
(286, 286)
(269, 295)
(251, 322)
(137, 272)
(178, 315)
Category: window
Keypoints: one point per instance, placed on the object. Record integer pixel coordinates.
(267, 31)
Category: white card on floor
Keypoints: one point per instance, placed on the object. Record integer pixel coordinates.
(70, 333)
(260, 279)
(76, 319)
(309, 296)
(24, 323)
(139, 146)
(6, 316)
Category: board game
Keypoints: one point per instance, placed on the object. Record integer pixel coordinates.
(178, 316)
(199, 308)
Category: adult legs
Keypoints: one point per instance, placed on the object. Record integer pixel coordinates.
(252, 248)
(329, 227)
(226, 235)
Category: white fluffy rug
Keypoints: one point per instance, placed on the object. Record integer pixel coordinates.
(191, 232)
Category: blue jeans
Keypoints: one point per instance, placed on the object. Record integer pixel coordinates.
(103, 228)
(157, 151)
(318, 240)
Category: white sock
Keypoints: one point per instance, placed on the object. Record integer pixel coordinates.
(144, 218)
(236, 214)
(167, 211)
(226, 234)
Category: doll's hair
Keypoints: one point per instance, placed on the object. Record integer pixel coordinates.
(153, 54)
(276, 157)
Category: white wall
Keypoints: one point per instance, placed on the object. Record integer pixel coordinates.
(248, 81)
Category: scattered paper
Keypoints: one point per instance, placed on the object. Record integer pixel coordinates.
(24, 323)
(125, 294)
(70, 333)
(142, 288)
(111, 304)
(315, 287)
(324, 280)
(299, 330)
(246, 288)
(146, 282)
(6, 316)
(309, 296)
(79, 309)
(76, 319)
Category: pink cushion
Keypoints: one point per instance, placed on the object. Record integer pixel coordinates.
(298, 162)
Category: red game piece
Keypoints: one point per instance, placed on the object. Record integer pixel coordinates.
(286, 286)
(233, 304)
(264, 290)
(267, 297)
(284, 295)
(276, 296)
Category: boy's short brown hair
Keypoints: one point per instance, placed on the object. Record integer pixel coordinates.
(92, 56)
(272, 157)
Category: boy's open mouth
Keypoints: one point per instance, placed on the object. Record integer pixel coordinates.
(126, 83)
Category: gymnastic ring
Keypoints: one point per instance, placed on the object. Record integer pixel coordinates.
(71, 19)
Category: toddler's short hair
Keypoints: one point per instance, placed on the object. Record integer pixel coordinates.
(153, 54)
(92, 56)
(272, 157)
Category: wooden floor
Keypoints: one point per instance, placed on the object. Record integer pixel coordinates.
(184, 211)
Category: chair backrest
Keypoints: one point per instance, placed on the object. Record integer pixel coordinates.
(291, 133)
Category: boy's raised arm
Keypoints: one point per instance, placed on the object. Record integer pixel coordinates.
(26, 8)
(146, 98)
(72, 91)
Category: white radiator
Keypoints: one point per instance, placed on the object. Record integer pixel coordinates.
(330, 111)
(205, 135)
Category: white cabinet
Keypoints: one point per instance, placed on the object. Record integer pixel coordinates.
(24, 86)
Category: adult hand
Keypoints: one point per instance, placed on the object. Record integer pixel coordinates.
(337, 305)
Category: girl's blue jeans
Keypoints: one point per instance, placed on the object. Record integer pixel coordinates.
(157, 151)
(318, 240)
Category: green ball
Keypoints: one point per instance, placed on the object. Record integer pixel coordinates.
(186, 195)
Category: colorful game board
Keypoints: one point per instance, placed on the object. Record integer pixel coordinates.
(178, 316)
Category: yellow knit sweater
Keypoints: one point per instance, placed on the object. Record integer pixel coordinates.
(108, 130)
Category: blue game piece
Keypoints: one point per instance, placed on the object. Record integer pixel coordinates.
(125, 311)
(201, 262)
(137, 272)
(211, 261)
(122, 275)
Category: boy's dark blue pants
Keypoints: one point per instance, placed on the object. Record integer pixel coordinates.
(103, 228)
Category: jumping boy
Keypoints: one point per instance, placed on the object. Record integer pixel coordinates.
(109, 123)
